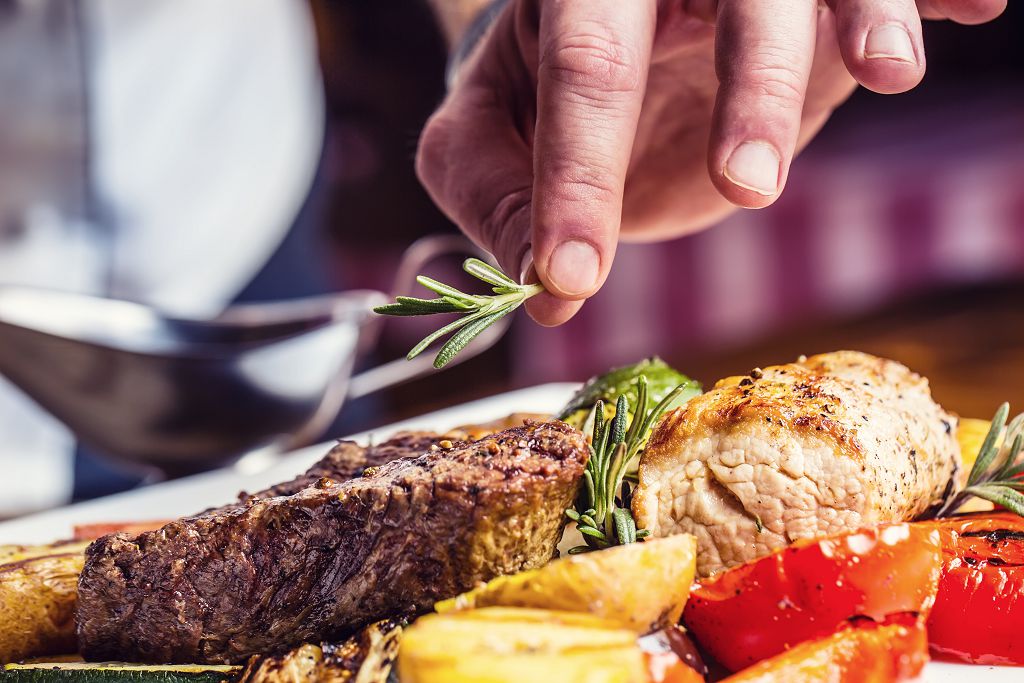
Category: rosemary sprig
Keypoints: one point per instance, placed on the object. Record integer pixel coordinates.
(477, 311)
(602, 510)
(997, 472)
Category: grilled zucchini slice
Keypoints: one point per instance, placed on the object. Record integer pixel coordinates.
(116, 672)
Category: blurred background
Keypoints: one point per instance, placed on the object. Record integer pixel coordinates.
(901, 231)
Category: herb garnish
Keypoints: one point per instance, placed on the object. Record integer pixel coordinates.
(602, 510)
(996, 475)
(478, 311)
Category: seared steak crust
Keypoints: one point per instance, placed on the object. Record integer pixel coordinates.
(348, 460)
(817, 447)
(272, 573)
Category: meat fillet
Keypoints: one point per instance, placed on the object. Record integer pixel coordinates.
(270, 573)
(817, 447)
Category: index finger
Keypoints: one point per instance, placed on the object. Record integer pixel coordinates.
(592, 74)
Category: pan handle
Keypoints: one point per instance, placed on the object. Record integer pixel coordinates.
(414, 261)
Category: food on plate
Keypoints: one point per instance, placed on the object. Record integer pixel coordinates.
(37, 599)
(348, 460)
(813, 587)
(273, 573)
(821, 446)
(979, 609)
(118, 672)
(789, 490)
(641, 586)
(661, 381)
(366, 657)
(865, 653)
(89, 532)
(996, 474)
(971, 433)
(508, 644)
(474, 432)
(665, 649)
(602, 508)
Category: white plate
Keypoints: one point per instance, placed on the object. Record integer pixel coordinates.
(186, 496)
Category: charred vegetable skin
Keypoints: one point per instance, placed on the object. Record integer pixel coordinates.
(366, 657)
(979, 609)
(807, 591)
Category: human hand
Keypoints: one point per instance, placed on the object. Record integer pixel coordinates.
(576, 123)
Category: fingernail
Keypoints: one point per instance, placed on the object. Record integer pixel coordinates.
(889, 41)
(754, 166)
(574, 267)
(526, 272)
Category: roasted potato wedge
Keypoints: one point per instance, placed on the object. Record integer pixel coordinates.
(641, 586)
(38, 591)
(505, 644)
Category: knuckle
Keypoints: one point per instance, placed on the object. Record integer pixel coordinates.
(593, 62)
(579, 181)
(586, 188)
(778, 85)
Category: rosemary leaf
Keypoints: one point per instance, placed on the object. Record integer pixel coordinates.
(1011, 457)
(593, 532)
(479, 311)
(625, 527)
(1000, 495)
(619, 421)
(401, 310)
(437, 334)
(488, 273)
(443, 289)
(616, 444)
(466, 335)
(988, 450)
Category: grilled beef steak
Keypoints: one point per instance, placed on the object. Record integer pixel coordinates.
(348, 460)
(265, 575)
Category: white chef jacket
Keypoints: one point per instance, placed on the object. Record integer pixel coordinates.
(151, 150)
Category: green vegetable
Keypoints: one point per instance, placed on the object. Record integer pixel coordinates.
(477, 311)
(602, 509)
(661, 379)
(116, 672)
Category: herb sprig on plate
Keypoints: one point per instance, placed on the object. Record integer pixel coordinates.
(998, 470)
(602, 510)
(477, 311)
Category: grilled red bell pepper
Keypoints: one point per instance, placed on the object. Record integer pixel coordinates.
(811, 589)
(866, 653)
(979, 610)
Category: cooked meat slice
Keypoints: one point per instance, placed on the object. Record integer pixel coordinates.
(816, 447)
(348, 460)
(472, 432)
(278, 572)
